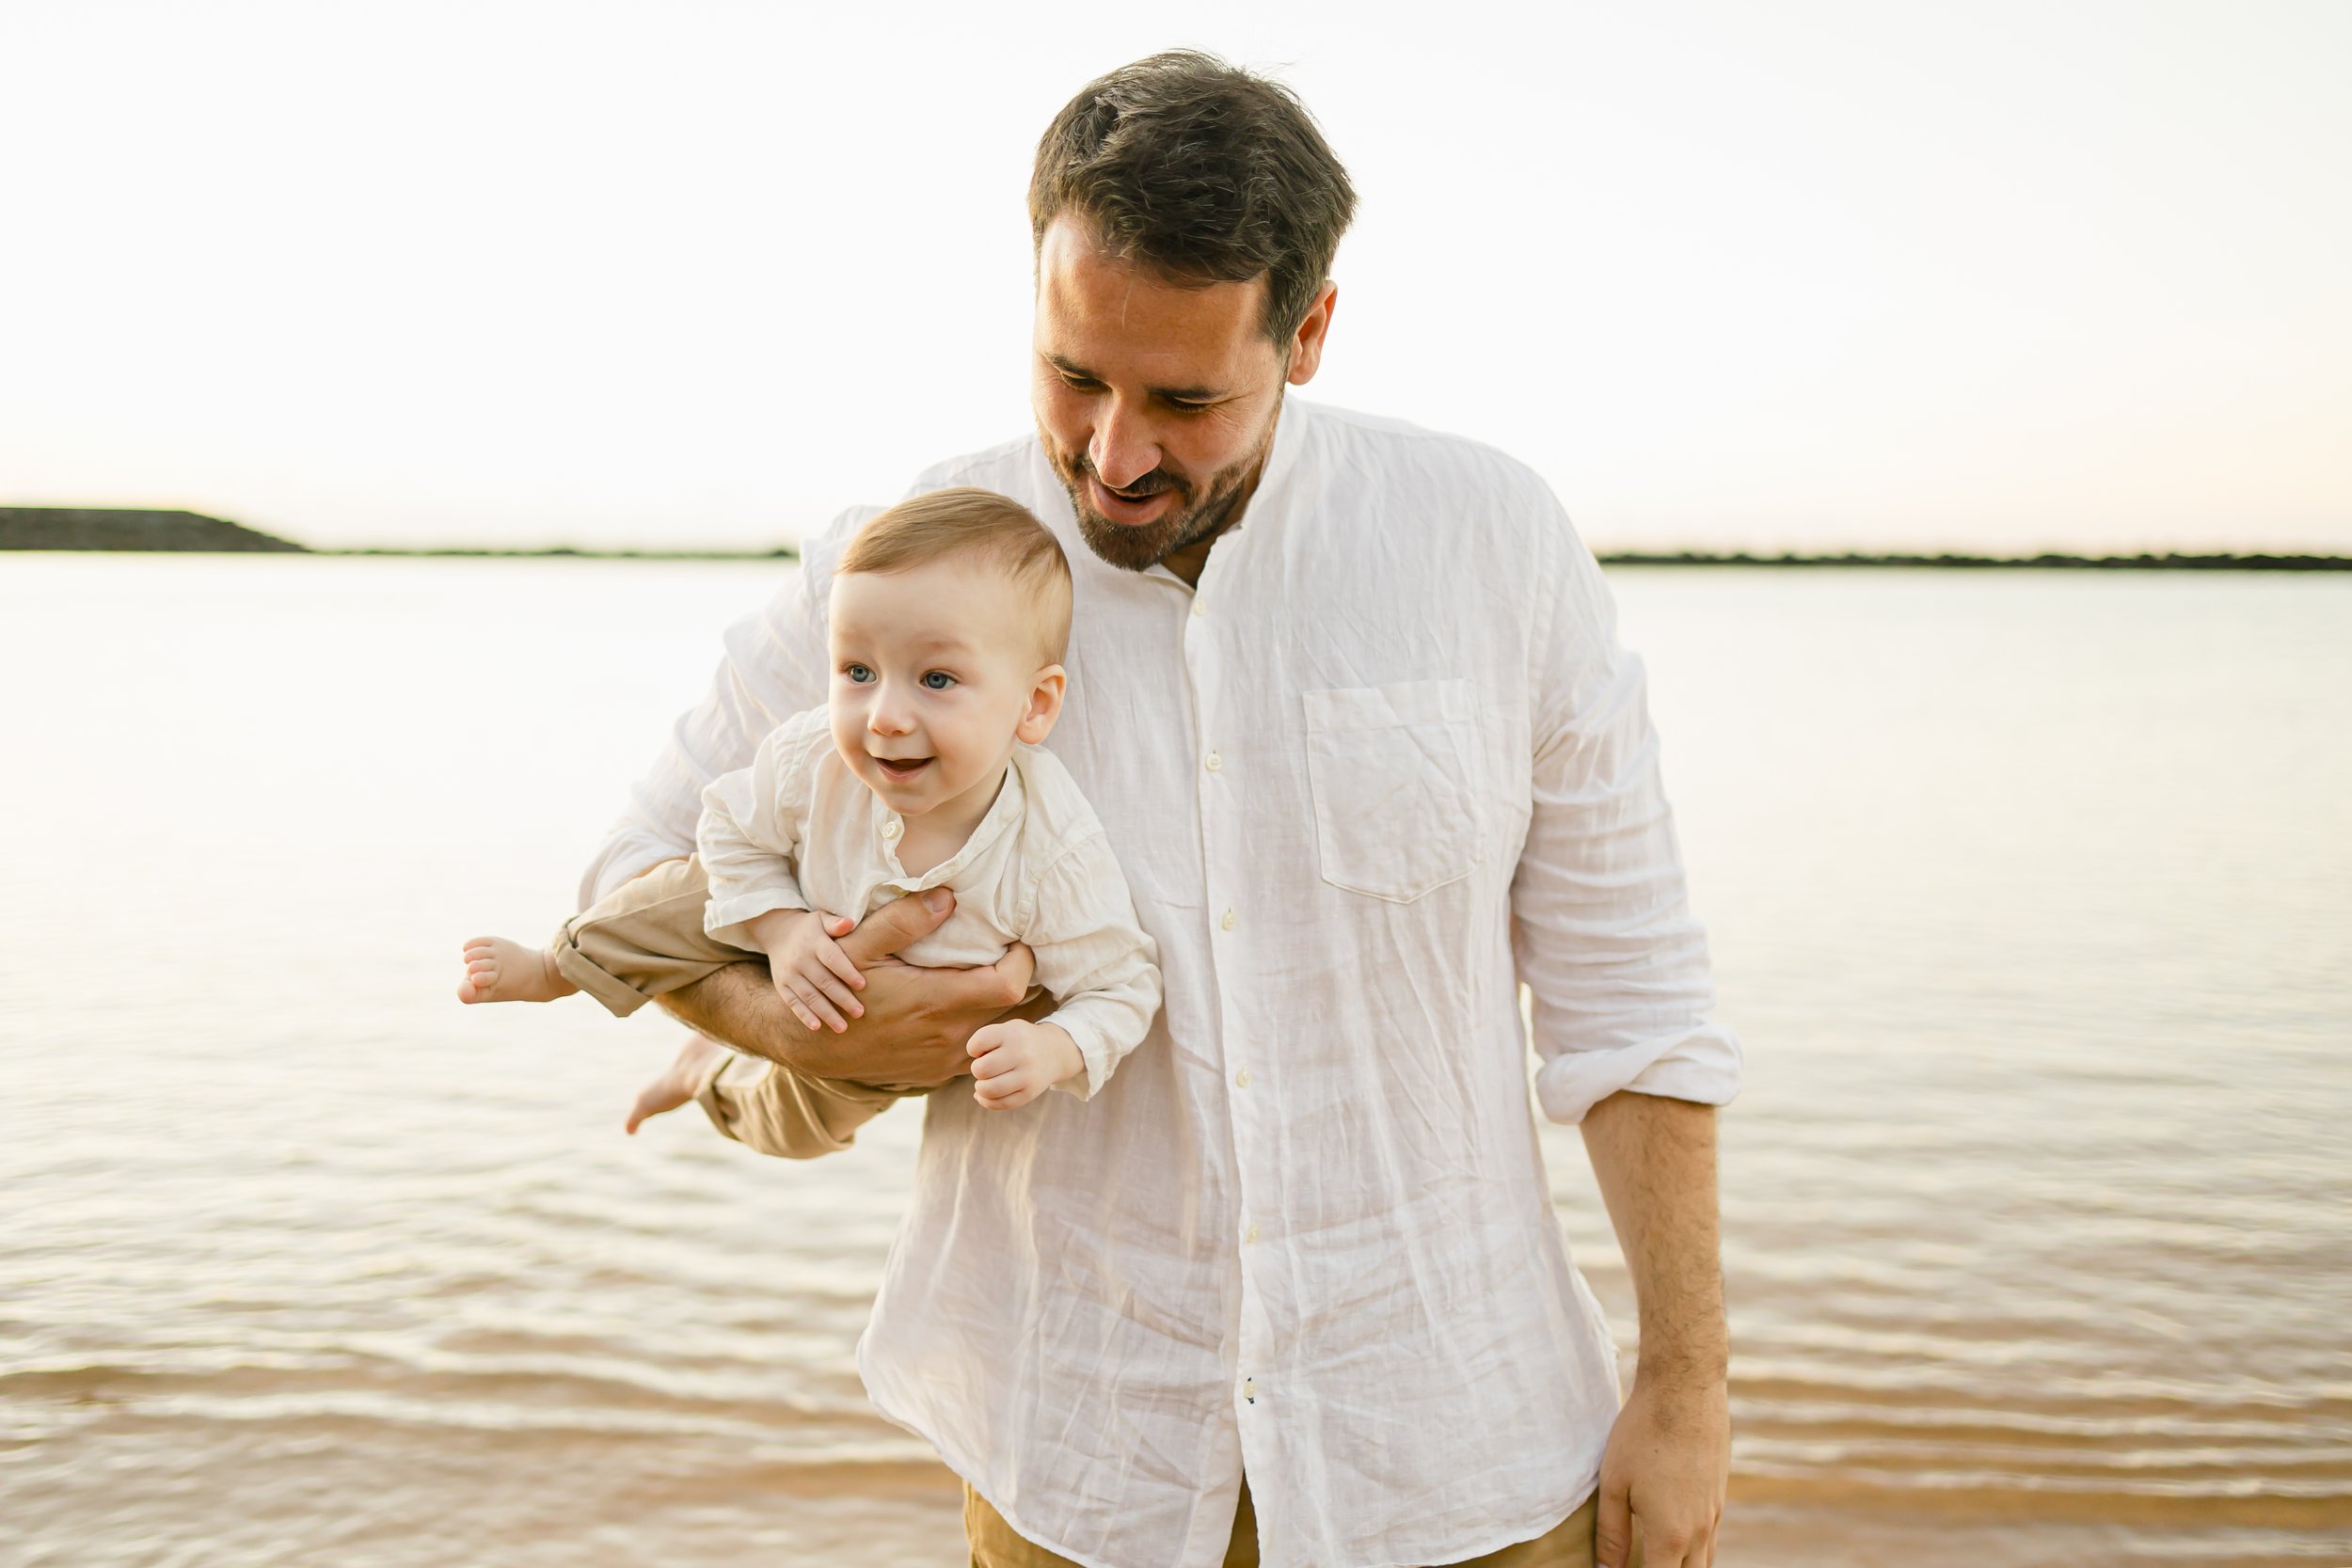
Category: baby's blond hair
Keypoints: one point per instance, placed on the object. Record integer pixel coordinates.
(928, 528)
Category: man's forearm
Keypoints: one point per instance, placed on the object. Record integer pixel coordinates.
(912, 1036)
(738, 1006)
(1655, 1160)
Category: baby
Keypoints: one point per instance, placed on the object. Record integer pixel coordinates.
(949, 618)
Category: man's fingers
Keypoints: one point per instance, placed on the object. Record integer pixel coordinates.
(1014, 973)
(994, 987)
(1612, 1532)
(1668, 1541)
(1665, 1544)
(897, 924)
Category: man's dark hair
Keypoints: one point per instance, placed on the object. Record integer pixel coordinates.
(1202, 172)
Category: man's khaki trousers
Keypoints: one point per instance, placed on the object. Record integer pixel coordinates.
(1566, 1545)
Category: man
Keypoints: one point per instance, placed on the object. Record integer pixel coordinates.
(1347, 698)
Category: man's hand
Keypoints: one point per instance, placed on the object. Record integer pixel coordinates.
(1667, 1464)
(1669, 1457)
(915, 1023)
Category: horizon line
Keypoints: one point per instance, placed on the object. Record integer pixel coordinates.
(173, 531)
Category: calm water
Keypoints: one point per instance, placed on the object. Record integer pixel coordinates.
(2030, 892)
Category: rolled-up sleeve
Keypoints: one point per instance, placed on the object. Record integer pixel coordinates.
(1602, 931)
(774, 665)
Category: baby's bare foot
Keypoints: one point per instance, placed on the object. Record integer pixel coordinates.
(677, 1083)
(498, 970)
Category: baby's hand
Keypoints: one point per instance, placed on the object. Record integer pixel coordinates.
(1015, 1061)
(812, 974)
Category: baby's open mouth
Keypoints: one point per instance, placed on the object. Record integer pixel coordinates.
(901, 768)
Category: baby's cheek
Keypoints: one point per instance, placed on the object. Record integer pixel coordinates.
(849, 730)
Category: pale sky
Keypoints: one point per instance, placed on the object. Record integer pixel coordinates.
(1802, 275)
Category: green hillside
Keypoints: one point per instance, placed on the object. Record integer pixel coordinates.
(75, 527)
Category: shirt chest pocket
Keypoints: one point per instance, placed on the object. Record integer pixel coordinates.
(1398, 778)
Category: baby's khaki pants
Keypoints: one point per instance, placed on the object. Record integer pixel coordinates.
(644, 940)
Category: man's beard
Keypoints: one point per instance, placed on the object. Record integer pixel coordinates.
(1198, 511)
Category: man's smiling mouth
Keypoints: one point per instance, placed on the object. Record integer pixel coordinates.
(1121, 507)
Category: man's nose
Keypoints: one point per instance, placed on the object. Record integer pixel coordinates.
(1124, 448)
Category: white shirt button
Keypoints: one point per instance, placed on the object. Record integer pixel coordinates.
(1228, 922)
(890, 829)
(1214, 762)
(1241, 1079)
(1249, 1390)
(1250, 1234)
(1198, 608)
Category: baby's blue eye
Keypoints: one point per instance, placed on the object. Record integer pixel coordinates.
(858, 673)
(938, 680)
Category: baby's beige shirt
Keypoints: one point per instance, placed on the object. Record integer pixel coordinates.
(797, 830)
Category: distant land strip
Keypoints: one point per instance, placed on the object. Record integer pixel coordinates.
(93, 528)
(112, 529)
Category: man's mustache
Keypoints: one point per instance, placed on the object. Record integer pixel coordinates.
(1150, 484)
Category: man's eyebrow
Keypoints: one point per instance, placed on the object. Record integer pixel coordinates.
(1172, 394)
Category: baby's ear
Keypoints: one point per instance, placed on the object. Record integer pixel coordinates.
(1045, 695)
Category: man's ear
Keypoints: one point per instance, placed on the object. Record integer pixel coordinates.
(1045, 695)
(1306, 349)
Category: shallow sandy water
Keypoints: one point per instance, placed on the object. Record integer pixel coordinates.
(2030, 893)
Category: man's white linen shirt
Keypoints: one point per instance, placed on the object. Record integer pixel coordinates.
(797, 830)
(1386, 763)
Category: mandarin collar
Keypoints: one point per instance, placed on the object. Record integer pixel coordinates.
(1010, 802)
